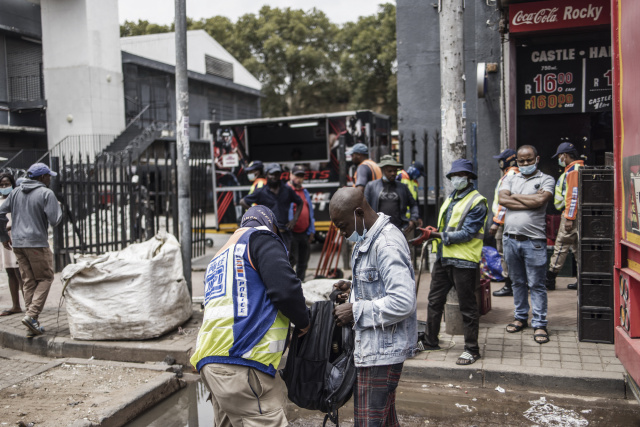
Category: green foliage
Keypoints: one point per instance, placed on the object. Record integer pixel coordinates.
(307, 64)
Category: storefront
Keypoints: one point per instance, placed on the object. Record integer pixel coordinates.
(561, 77)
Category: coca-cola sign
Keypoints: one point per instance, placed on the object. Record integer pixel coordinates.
(549, 15)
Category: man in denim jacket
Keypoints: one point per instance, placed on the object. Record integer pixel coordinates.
(381, 307)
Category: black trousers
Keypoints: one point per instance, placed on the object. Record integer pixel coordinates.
(464, 280)
(299, 253)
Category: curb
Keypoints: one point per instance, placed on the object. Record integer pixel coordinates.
(118, 351)
(597, 384)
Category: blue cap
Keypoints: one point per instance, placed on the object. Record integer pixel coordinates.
(416, 170)
(565, 147)
(273, 167)
(256, 164)
(39, 169)
(462, 165)
(506, 155)
(358, 148)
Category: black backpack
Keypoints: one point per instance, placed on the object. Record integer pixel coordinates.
(320, 371)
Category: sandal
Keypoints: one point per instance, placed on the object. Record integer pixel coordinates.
(467, 358)
(516, 327)
(9, 312)
(541, 338)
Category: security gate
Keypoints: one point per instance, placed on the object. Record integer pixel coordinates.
(113, 200)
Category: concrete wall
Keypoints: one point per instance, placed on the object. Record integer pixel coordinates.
(82, 68)
(419, 83)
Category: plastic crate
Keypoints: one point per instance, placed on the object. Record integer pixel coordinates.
(595, 291)
(595, 257)
(596, 222)
(595, 325)
(596, 186)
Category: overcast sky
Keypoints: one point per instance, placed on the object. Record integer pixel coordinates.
(162, 11)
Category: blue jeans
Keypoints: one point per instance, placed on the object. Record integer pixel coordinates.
(527, 270)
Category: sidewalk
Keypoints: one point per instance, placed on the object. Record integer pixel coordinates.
(511, 361)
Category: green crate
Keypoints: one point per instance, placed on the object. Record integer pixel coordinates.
(568, 269)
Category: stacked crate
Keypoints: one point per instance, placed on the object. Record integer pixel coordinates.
(595, 255)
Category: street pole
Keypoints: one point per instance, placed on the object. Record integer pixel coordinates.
(342, 162)
(453, 116)
(182, 138)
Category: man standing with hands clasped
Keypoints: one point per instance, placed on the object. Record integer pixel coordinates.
(381, 306)
(458, 244)
(525, 195)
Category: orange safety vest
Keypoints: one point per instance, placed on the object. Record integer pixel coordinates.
(376, 172)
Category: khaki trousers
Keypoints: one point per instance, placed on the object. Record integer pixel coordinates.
(564, 242)
(36, 270)
(244, 397)
(500, 248)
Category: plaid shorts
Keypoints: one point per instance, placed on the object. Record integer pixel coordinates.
(374, 397)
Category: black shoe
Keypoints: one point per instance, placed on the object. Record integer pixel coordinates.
(550, 282)
(505, 291)
(573, 286)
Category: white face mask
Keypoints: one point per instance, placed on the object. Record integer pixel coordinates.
(459, 182)
(562, 162)
(251, 176)
(6, 191)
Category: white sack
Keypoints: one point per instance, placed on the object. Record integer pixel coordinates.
(136, 293)
(318, 290)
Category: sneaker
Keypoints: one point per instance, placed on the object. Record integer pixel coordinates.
(33, 325)
(572, 286)
(505, 291)
(31, 334)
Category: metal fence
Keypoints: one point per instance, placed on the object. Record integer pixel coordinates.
(113, 200)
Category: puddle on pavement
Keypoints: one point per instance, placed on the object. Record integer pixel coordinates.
(426, 405)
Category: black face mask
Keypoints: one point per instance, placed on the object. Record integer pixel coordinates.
(273, 184)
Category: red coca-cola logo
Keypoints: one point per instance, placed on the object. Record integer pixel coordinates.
(540, 17)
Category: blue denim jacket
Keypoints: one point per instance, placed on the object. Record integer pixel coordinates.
(383, 292)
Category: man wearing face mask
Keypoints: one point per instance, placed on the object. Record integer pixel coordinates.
(391, 197)
(255, 172)
(525, 195)
(458, 246)
(565, 200)
(508, 165)
(278, 197)
(381, 305)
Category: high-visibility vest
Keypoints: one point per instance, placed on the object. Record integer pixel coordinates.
(241, 325)
(376, 172)
(560, 195)
(412, 185)
(258, 183)
(468, 251)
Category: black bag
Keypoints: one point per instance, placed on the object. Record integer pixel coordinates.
(320, 371)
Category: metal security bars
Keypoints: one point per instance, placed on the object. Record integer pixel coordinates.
(113, 200)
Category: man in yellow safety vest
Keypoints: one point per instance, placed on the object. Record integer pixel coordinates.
(251, 293)
(458, 246)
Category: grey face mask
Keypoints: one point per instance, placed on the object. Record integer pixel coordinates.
(355, 237)
(459, 182)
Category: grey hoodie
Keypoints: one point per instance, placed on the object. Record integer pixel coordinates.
(31, 205)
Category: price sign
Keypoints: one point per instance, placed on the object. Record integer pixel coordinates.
(575, 78)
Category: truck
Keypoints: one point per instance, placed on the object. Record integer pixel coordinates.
(309, 140)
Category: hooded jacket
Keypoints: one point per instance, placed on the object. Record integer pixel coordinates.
(33, 207)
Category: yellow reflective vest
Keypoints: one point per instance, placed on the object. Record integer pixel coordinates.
(412, 185)
(468, 251)
(240, 325)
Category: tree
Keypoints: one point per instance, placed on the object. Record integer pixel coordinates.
(368, 60)
(307, 64)
(130, 28)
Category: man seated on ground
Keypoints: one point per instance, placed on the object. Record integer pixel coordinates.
(458, 246)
